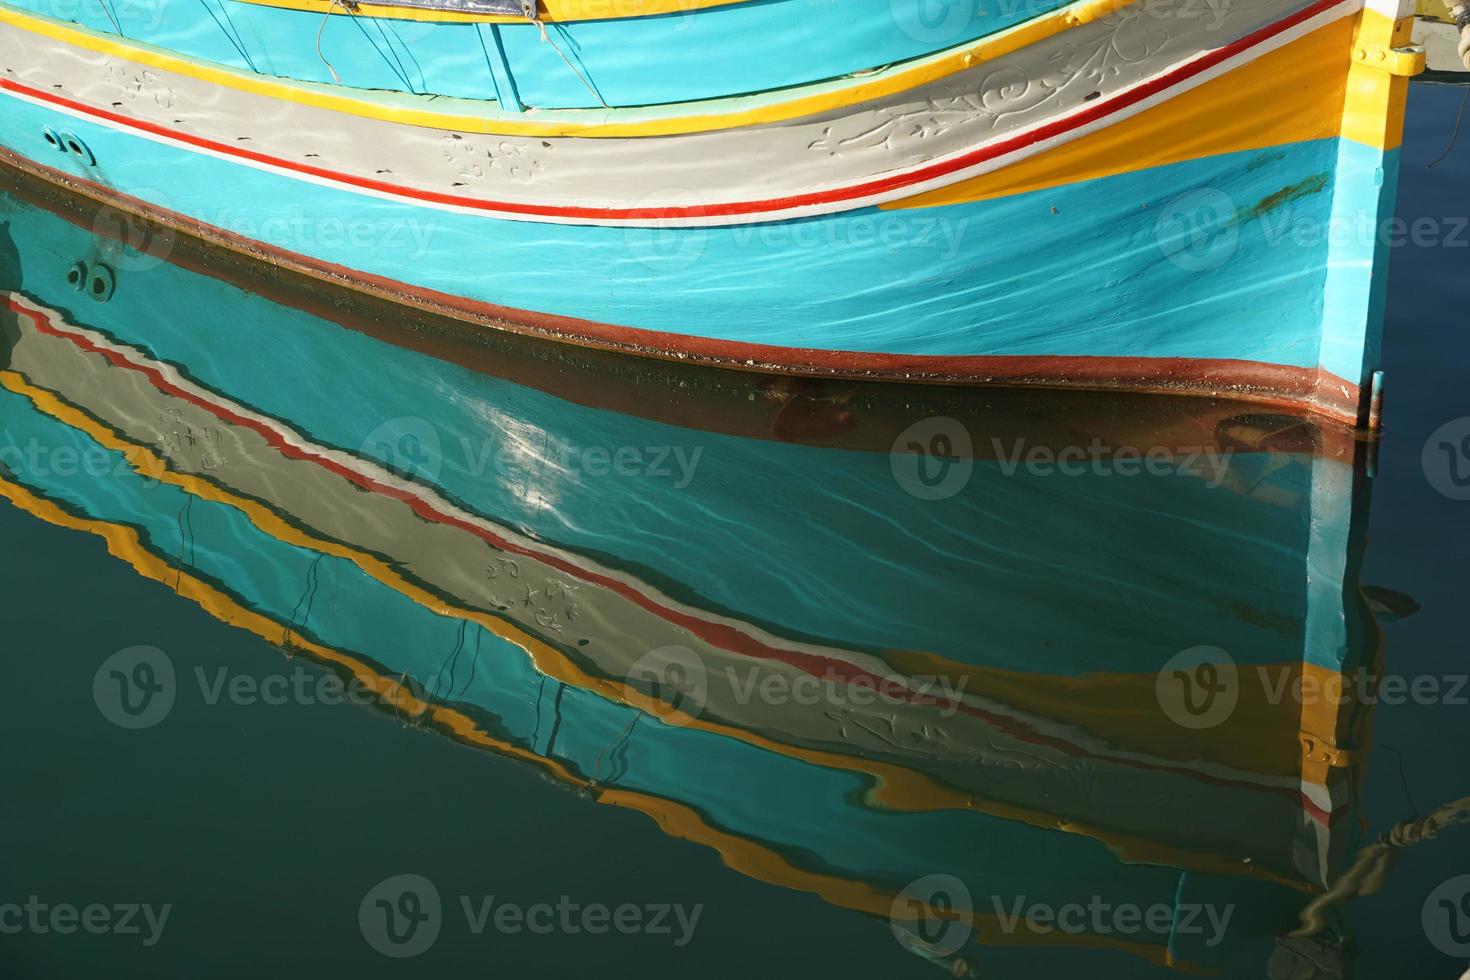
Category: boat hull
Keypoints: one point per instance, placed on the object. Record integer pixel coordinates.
(1183, 230)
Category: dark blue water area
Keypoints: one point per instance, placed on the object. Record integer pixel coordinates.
(274, 834)
(1417, 535)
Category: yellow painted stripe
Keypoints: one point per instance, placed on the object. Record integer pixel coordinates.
(894, 788)
(550, 10)
(722, 114)
(1289, 95)
(1374, 111)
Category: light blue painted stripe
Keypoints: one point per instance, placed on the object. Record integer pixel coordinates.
(1096, 268)
(730, 50)
(1359, 233)
(505, 85)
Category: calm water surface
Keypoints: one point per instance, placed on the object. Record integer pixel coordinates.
(339, 646)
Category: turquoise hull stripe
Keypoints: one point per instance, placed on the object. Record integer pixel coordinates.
(1359, 233)
(1106, 267)
(721, 51)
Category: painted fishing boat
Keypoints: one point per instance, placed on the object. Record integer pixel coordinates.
(1115, 193)
(1025, 749)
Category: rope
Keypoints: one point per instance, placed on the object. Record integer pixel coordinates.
(107, 7)
(541, 24)
(233, 38)
(1371, 868)
(1455, 133)
(319, 28)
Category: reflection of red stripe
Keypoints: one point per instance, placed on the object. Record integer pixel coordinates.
(1089, 112)
(717, 634)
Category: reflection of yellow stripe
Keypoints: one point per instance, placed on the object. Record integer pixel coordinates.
(723, 114)
(895, 788)
(124, 543)
(1123, 710)
(1286, 96)
(551, 10)
(747, 856)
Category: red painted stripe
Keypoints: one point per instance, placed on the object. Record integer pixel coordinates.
(1089, 112)
(717, 634)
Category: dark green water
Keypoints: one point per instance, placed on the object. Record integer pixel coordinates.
(735, 835)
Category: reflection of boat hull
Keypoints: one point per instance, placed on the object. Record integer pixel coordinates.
(879, 235)
(276, 502)
(771, 814)
(994, 744)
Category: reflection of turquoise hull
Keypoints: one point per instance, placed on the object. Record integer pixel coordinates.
(865, 567)
(773, 803)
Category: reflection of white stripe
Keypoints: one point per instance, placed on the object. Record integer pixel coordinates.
(1053, 728)
(777, 213)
